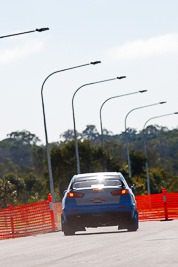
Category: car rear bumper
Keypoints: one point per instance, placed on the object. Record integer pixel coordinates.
(99, 219)
(106, 215)
(78, 210)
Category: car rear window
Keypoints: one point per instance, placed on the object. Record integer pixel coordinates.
(97, 182)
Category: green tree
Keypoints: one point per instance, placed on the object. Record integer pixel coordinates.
(8, 194)
(138, 161)
(39, 159)
(18, 147)
(132, 134)
(2, 169)
(34, 188)
(91, 160)
(140, 185)
(18, 184)
(90, 133)
(116, 149)
(173, 188)
(69, 135)
(23, 164)
(23, 137)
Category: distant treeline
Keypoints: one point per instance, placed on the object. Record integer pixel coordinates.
(23, 164)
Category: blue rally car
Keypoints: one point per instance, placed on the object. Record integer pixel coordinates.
(98, 199)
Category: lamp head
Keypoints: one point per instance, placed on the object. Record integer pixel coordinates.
(175, 112)
(142, 91)
(121, 77)
(42, 29)
(95, 62)
(163, 102)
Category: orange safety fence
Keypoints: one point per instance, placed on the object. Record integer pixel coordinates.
(25, 220)
(156, 207)
(45, 216)
(57, 207)
(172, 205)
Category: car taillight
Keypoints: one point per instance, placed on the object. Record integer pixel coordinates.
(120, 192)
(125, 191)
(75, 195)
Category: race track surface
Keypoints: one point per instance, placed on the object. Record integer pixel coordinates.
(154, 244)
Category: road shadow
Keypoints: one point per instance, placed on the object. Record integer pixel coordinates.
(102, 233)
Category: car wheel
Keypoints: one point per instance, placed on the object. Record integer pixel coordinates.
(133, 226)
(68, 229)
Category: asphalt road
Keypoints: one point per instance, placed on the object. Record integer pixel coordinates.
(154, 244)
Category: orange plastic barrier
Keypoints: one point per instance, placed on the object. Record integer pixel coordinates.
(172, 205)
(44, 216)
(27, 219)
(156, 207)
(57, 214)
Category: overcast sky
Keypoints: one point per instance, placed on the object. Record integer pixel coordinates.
(137, 38)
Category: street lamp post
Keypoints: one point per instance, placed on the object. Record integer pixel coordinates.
(144, 143)
(45, 127)
(127, 134)
(73, 112)
(14, 34)
(102, 139)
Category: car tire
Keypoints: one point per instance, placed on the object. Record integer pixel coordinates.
(133, 226)
(68, 229)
